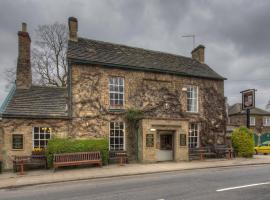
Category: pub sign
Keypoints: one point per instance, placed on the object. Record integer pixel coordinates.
(248, 99)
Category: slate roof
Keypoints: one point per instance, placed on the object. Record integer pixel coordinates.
(37, 102)
(236, 109)
(116, 55)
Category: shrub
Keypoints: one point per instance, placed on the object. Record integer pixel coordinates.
(64, 145)
(243, 142)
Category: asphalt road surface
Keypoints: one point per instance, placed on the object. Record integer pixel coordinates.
(246, 182)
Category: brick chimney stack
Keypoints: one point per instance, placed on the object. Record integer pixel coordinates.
(198, 53)
(73, 29)
(24, 73)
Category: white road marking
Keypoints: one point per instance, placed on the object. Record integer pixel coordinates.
(243, 186)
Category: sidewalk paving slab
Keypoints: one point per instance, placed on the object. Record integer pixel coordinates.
(9, 179)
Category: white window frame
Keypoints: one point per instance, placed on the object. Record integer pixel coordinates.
(193, 99)
(124, 136)
(266, 121)
(195, 134)
(39, 133)
(252, 121)
(118, 92)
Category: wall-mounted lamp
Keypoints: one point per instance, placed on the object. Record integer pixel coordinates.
(152, 129)
(184, 89)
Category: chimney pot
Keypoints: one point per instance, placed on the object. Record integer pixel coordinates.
(73, 28)
(24, 27)
(198, 53)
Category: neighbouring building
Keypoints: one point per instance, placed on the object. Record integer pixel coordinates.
(259, 121)
(181, 100)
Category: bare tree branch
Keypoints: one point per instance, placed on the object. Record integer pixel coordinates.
(49, 55)
(49, 65)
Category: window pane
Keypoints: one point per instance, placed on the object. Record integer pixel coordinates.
(36, 144)
(36, 136)
(17, 141)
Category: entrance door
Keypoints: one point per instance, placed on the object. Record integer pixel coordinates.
(165, 151)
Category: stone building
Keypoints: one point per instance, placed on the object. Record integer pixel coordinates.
(181, 101)
(259, 121)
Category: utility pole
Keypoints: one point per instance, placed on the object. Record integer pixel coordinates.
(190, 36)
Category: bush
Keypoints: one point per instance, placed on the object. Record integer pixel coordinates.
(60, 145)
(243, 142)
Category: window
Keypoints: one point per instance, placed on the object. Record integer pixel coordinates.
(116, 86)
(193, 137)
(192, 98)
(117, 136)
(41, 135)
(17, 141)
(252, 121)
(266, 121)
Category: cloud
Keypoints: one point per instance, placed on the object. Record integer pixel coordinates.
(236, 33)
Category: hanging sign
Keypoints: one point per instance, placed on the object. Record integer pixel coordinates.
(248, 99)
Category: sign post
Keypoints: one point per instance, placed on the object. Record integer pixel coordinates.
(248, 102)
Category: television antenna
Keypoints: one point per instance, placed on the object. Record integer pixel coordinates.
(190, 36)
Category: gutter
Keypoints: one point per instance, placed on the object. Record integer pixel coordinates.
(79, 61)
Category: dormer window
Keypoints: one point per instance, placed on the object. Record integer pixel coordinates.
(116, 92)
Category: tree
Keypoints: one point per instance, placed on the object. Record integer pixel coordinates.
(49, 64)
(49, 55)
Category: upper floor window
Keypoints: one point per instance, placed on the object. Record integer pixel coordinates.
(41, 135)
(266, 121)
(116, 87)
(192, 98)
(252, 121)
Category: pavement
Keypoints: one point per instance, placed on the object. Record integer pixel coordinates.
(35, 177)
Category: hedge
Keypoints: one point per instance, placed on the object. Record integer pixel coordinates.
(64, 145)
(243, 142)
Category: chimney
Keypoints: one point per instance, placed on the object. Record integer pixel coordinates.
(73, 29)
(24, 73)
(198, 53)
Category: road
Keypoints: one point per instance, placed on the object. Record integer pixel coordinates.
(248, 182)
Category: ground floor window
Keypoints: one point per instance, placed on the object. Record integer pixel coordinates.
(117, 136)
(41, 135)
(193, 137)
(17, 141)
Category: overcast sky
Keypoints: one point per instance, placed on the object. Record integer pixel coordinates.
(236, 34)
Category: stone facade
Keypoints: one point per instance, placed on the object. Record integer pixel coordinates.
(157, 96)
(25, 127)
(240, 120)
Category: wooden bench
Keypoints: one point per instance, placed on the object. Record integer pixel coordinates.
(33, 160)
(224, 151)
(118, 156)
(75, 159)
(201, 153)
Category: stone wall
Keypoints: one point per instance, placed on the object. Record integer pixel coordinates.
(240, 120)
(25, 127)
(156, 95)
